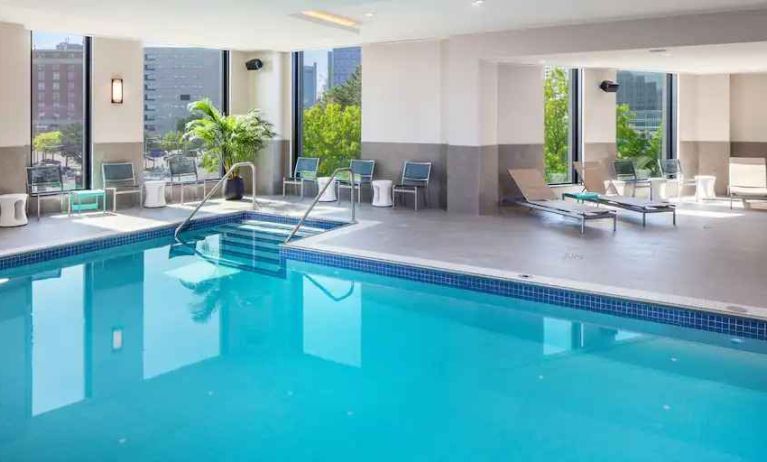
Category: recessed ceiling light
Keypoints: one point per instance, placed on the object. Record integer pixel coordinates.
(477, 2)
(369, 14)
(334, 19)
(658, 50)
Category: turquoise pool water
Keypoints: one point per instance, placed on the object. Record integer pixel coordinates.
(147, 353)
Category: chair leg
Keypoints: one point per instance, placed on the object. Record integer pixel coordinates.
(283, 188)
(644, 220)
(302, 189)
(416, 199)
(583, 225)
(674, 217)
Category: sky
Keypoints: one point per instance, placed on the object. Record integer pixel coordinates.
(45, 40)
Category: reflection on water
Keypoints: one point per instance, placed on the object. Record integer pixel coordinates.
(186, 359)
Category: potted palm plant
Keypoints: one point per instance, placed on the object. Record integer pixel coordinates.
(226, 140)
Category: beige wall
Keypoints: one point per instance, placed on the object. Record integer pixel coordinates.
(599, 121)
(15, 107)
(520, 104)
(748, 107)
(118, 123)
(401, 92)
(269, 90)
(704, 107)
(118, 129)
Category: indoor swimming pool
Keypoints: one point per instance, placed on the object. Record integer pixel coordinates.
(225, 350)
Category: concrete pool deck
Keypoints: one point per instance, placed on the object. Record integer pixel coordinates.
(715, 259)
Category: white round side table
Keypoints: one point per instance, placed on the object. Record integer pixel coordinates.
(382, 193)
(13, 210)
(704, 187)
(154, 194)
(330, 193)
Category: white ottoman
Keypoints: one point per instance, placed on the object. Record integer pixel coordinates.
(704, 187)
(382, 193)
(330, 193)
(154, 194)
(13, 210)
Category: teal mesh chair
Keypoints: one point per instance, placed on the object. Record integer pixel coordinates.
(304, 172)
(362, 175)
(120, 179)
(45, 182)
(415, 178)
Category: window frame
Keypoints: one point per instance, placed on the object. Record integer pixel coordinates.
(87, 174)
(575, 135)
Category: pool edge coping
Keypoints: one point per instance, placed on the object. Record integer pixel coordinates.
(567, 289)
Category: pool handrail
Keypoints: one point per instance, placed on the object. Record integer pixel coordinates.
(250, 165)
(317, 199)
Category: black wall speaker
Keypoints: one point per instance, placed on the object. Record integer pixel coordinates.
(254, 64)
(608, 86)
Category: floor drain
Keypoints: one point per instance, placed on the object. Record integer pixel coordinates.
(525, 276)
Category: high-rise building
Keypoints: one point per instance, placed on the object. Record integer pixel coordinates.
(310, 85)
(173, 78)
(58, 78)
(342, 62)
(643, 93)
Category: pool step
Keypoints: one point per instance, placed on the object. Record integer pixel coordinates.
(250, 245)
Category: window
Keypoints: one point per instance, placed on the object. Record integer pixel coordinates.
(174, 77)
(643, 113)
(561, 120)
(327, 88)
(60, 138)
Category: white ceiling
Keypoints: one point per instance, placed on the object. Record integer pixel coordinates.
(271, 24)
(709, 59)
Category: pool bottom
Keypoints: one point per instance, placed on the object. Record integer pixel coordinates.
(141, 356)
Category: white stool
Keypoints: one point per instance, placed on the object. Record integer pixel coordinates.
(704, 187)
(155, 194)
(13, 210)
(330, 193)
(382, 193)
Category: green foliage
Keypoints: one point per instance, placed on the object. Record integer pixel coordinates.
(644, 149)
(172, 141)
(333, 133)
(332, 128)
(347, 94)
(226, 140)
(557, 124)
(47, 142)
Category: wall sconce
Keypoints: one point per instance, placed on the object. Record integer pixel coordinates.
(117, 91)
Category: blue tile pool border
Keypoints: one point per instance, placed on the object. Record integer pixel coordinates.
(32, 257)
(737, 326)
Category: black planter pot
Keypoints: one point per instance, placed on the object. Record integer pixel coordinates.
(234, 189)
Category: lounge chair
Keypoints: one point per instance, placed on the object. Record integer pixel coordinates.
(415, 176)
(748, 178)
(626, 171)
(183, 172)
(120, 179)
(594, 177)
(538, 196)
(362, 175)
(45, 182)
(671, 169)
(304, 172)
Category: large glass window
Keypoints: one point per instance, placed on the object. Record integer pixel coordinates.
(59, 108)
(173, 78)
(641, 119)
(559, 97)
(329, 119)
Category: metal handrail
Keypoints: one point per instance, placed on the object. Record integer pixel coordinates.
(317, 199)
(252, 167)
